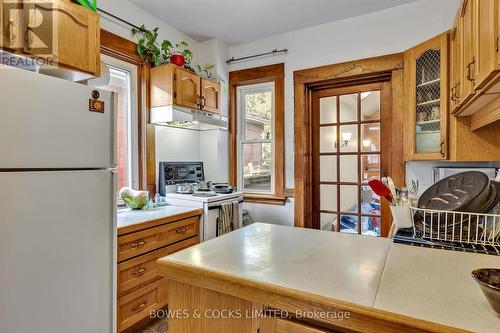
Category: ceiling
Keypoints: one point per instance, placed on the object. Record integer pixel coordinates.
(241, 21)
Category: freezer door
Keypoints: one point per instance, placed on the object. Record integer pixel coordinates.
(57, 252)
(45, 122)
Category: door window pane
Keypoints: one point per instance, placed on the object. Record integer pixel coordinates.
(257, 166)
(349, 198)
(328, 139)
(370, 167)
(370, 137)
(328, 197)
(370, 105)
(328, 110)
(370, 201)
(348, 108)
(349, 168)
(370, 226)
(349, 138)
(328, 221)
(349, 224)
(258, 115)
(328, 168)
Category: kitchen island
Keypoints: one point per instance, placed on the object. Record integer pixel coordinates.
(268, 278)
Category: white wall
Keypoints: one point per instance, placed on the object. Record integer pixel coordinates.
(133, 14)
(183, 145)
(385, 32)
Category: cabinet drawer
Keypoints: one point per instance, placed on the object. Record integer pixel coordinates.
(135, 272)
(148, 240)
(136, 306)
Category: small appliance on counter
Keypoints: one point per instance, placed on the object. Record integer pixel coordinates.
(184, 184)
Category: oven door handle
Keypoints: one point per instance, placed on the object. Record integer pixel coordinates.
(219, 206)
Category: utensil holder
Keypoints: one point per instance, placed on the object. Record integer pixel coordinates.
(401, 215)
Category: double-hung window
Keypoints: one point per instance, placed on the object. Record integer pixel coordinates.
(256, 133)
(256, 145)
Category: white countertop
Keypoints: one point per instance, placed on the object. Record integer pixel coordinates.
(318, 262)
(436, 285)
(428, 284)
(128, 217)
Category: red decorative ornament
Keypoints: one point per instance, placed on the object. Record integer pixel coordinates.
(178, 59)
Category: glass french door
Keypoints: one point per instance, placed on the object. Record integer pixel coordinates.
(348, 152)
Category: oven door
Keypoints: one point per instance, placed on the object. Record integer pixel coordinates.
(211, 222)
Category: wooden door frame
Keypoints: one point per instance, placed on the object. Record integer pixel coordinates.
(308, 80)
(125, 50)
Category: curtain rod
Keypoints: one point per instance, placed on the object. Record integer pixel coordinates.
(273, 52)
(119, 19)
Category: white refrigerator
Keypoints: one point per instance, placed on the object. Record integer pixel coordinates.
(57, 206)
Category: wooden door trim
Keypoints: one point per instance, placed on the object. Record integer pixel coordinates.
(125, 50)
(305, 83)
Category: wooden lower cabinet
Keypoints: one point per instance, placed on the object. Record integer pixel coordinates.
(140, 288)
(208, 302)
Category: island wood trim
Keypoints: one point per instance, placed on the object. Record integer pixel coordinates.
(348, 73)
(362, 318)
(125, 50)
(158, 221)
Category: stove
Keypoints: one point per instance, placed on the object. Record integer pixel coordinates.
(173, 173)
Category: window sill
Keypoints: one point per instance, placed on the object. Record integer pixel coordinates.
(266, 199)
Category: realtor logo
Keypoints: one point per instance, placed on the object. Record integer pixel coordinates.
(28, 27)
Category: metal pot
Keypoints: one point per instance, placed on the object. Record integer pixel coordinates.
(185, 188)
(204, 186)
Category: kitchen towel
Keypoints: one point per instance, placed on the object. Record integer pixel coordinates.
(228, 217)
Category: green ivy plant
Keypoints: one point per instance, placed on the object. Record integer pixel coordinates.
(147, 45)
(156, 53)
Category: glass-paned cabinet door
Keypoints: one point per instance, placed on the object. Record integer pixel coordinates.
(429, 104)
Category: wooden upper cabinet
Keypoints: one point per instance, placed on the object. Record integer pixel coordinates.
(426, 74)
(58, 30)
(173, 85)
(12, 20)
(468, 53)
(484, 37)
(210, 95)
(187, 88)
(455, 66)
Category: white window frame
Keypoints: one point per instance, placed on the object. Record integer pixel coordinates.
(241, 91)
(132, 119)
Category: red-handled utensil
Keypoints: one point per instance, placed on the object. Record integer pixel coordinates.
(381, 189)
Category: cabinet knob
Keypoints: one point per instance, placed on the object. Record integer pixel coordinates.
(442, 149)
(181, 230)
(140, 243)
(12, 29)
(139, 272)
(139, 307)
(469, 71)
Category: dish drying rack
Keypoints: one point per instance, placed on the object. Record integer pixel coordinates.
(458, 231)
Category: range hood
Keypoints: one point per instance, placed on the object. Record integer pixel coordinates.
(175, 116)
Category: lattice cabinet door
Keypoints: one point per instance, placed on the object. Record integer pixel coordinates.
(426, 71)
